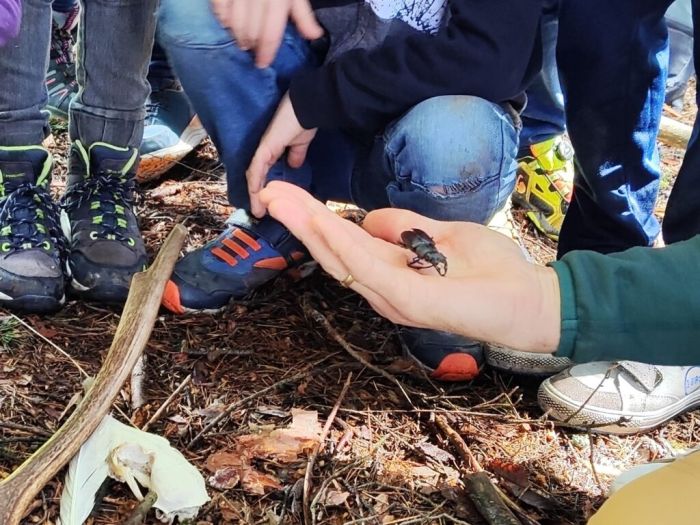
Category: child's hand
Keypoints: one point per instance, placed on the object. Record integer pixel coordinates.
(258, 25)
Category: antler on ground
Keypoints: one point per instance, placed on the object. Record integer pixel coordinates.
(135, 327)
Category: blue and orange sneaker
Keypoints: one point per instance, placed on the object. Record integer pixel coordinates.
(246, 255)
(444, 356)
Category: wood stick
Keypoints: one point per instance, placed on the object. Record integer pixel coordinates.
(137, 376)
(166, 403)
(484, 495)
(674, 133)
(135, 326)
(457, 442)
(312, 459)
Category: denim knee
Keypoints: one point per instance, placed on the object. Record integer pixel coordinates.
(452, 158)
(190, 24)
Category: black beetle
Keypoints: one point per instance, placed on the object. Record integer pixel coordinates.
(423, 246)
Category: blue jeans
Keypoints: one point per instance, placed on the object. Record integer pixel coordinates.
(612, 57)
(544, 115)
(429, 160)
(109, 107)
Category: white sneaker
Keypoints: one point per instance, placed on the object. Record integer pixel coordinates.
(622, 397)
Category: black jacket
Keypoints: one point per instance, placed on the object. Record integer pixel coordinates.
(376, 70)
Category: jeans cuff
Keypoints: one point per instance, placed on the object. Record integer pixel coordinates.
(121, 129)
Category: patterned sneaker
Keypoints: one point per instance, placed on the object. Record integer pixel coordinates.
(61, 83)
(171, 131)
(620, 397)
(31, 243)
(106, 248)
(444, 356)
(246, 255)
(525, 363)
(544, 184)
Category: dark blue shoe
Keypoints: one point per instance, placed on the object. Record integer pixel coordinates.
(32, 246)
(171, 131)
(106, 248)
(246, 255)
(444, 356)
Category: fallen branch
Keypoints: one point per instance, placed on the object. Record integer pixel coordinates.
(457, 442)
(312, 459)
(323, 321)
(142, 509)
(489, 502)
(166, 403)
(674, 133)
(137, 377)
(135, 326)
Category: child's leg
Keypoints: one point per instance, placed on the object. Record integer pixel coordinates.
(234, 99)
(449, 158)
(106, 125)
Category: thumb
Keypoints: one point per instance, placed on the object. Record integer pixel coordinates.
(303, 17)
(297, 154)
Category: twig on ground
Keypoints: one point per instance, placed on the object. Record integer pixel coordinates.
(312, 459)
(459, 443)
(166, 403)
(50, 342)
(489, 502)
(141, 511)
(242, 402)
(323, 321)
(25, 428)
(137, 376)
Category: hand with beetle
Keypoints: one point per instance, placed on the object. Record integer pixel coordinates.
(490, 292)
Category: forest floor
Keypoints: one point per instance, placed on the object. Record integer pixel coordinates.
(385, 460)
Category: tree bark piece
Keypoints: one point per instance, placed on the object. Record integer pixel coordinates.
(674, 133)
(134, 330)
(486, 498)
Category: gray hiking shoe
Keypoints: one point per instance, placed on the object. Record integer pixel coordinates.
(622, 397)
(106, 248)
(32, 246)
(525, 363)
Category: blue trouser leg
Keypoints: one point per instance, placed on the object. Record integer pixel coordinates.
(110, 107)
(682, 220)
(430, 160)
(23, 64)
(234, 99)
(544, 115)
(433, 161)
(612, 56)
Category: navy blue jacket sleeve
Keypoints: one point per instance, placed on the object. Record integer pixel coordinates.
(489, 48)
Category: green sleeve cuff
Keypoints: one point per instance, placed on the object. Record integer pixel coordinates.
(569, 321)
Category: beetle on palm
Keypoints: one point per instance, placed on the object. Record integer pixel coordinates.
(423, 246)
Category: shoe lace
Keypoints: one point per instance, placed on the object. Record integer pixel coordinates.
(109, 196)
(37, 225)
(62, 47)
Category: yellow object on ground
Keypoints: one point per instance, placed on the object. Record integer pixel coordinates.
(665, 496)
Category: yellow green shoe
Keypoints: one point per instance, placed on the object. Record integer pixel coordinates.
(544, 184)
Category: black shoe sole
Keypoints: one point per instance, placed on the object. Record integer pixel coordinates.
(38, 304)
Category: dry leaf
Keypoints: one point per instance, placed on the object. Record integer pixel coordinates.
(225, 478)
(283, 445)
(335, 498)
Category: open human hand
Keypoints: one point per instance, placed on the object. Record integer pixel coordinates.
(490, 292)
(259, 25)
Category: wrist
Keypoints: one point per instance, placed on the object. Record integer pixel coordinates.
(549, 311)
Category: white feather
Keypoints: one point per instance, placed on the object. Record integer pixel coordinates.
(131, 455)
